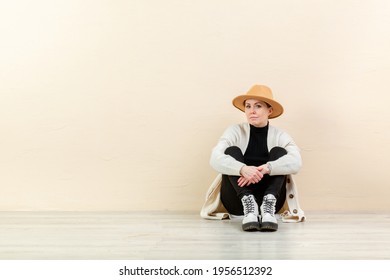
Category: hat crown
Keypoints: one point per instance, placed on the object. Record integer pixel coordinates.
(260, 91)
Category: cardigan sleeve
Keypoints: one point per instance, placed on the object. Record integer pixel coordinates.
(290, 163)
(221, 162)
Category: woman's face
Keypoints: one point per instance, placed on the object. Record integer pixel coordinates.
(257, 112)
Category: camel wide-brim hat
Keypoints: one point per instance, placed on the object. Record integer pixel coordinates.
(262, 93)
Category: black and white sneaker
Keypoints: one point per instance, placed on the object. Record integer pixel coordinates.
(267, 209)
(251, 213)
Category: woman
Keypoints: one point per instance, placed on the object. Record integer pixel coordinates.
(256, 161)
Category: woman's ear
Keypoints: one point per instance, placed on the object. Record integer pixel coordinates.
(270, 110)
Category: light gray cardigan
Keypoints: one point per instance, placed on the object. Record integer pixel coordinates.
(238, 135)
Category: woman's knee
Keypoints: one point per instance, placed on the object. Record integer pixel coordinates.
(235, 152)
(277, 152)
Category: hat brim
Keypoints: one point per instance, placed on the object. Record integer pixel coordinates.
(239, 103)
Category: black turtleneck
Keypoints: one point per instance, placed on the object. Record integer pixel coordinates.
(257, 152)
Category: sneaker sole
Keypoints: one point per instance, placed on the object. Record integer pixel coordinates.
(267, 226)
(253, 226)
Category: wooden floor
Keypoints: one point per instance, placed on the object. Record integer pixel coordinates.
(170, 235)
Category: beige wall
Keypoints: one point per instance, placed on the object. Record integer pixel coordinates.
(116, 105)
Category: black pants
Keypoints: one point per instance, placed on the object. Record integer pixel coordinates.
(231, 193)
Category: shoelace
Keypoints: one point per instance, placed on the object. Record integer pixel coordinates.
(249, 205)
(269, 205)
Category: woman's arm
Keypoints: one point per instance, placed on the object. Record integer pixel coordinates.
(221, 162)
(290, 163)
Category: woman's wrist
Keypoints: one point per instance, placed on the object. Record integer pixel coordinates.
(241, 170)
(269, 167)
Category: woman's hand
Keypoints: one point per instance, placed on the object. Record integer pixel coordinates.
(250, 175)
(264, 169)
